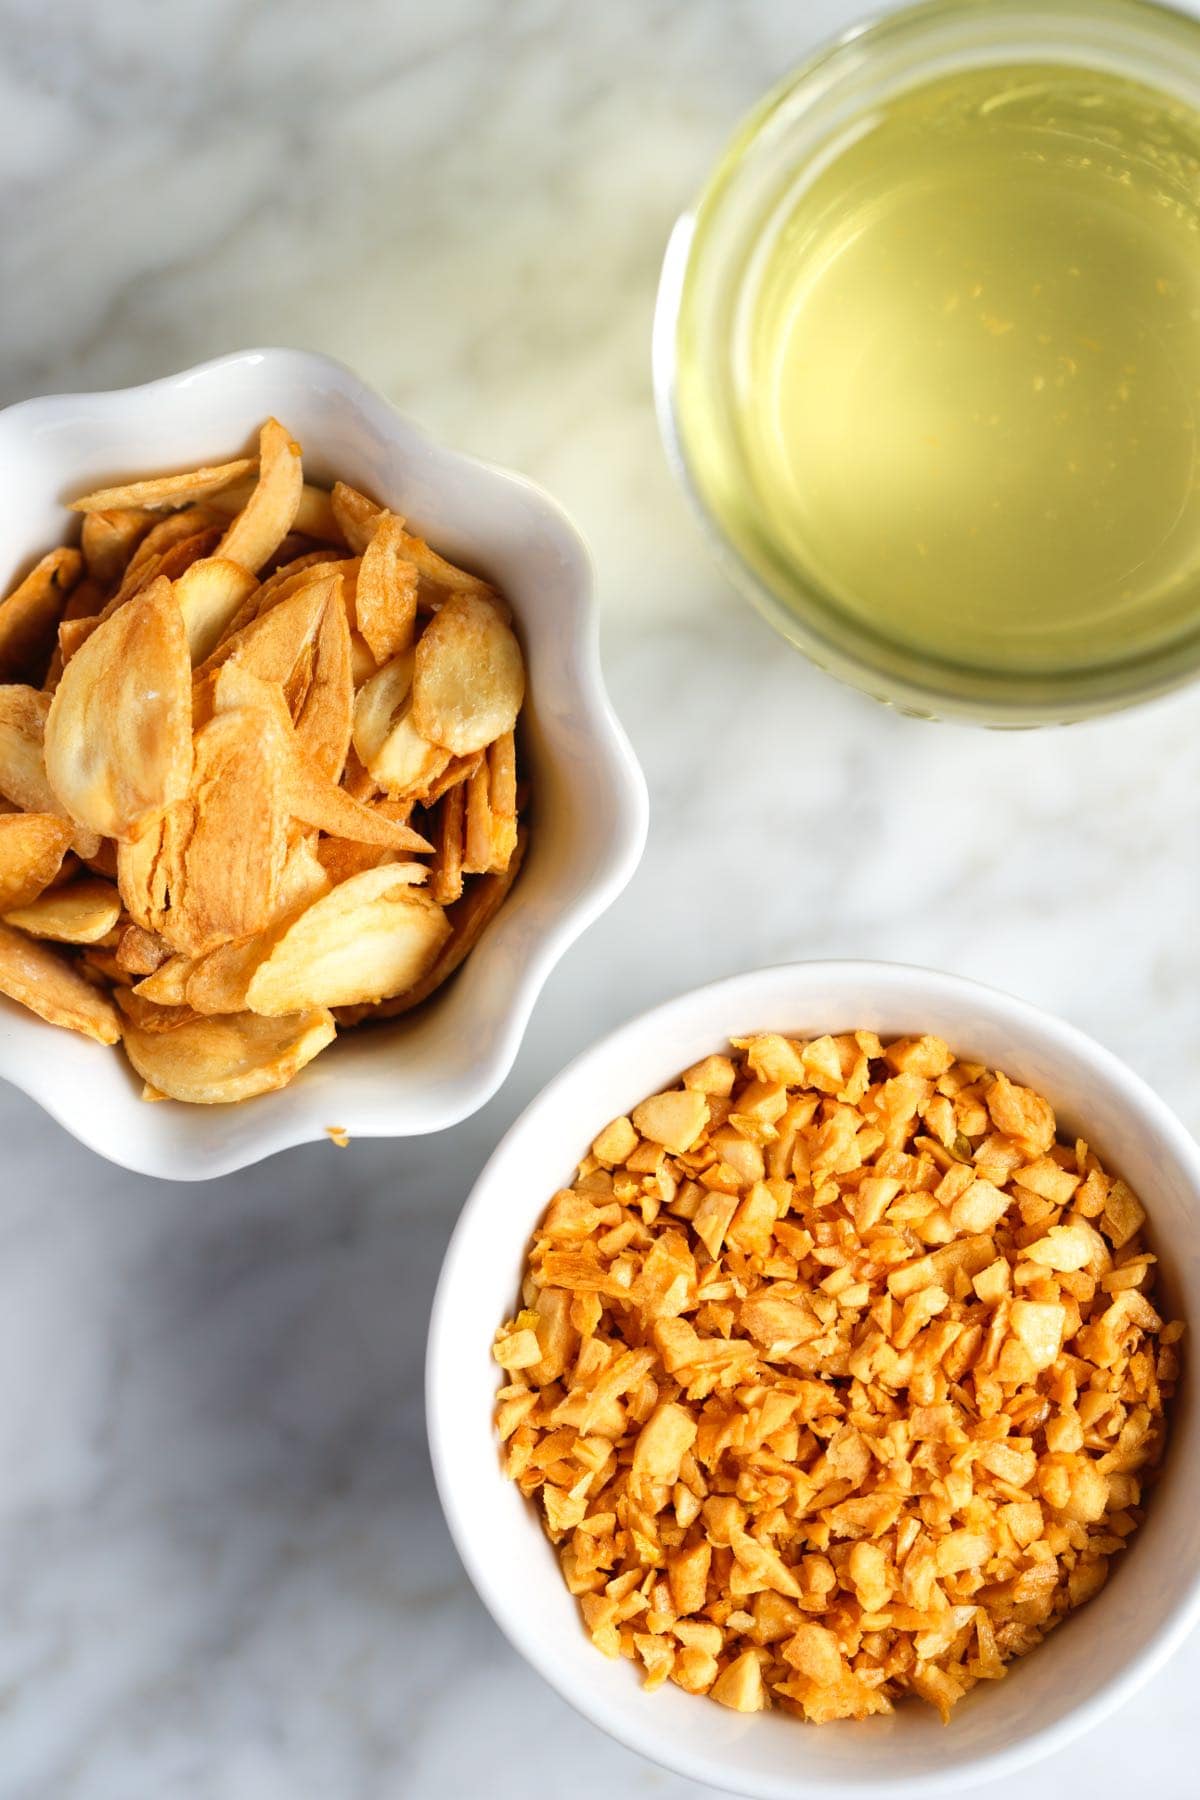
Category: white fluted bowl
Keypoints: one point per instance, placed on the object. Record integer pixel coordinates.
(415, 1074)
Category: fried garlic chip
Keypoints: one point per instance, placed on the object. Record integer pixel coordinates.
(341, 859)
(165, 534)
(217, 982)
(44, 982)
(29, 616)
(140, 952)
(356, 516)
(118, 741)
(359, 518)
(212, 1062)
(87, 600)
(232, 858)
(150, 868)
(469, 919)
(23, 777)
(32, 846)
(341, 856)
(313, 799)
(373, 936)
(362, 663)
(167, 985)
(491, 824)
(331, 809)
(314, 513)
(477, 846)
(388, 744)
(270, 511)
(386, 592)
(108, 540)
(22, 762)
(209, 594)
(468, 676)
(283, 582)
(164, 491)
(142, 573)
(278, 645)
(441, 577)
(325, 714)
(446, 883)
(81, 913)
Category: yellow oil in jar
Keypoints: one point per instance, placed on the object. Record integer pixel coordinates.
(967, 370)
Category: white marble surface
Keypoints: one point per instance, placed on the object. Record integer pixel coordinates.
(223, 1574)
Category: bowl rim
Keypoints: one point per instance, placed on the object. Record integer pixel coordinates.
(609, 739)
(659, 1747)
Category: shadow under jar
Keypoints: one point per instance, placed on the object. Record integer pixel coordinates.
(927, 355)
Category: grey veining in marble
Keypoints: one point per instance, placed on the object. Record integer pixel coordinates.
(223, 1574)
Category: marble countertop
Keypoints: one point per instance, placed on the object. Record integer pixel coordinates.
(223, 1572)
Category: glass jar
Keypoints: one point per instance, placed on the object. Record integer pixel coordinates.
(702, 306)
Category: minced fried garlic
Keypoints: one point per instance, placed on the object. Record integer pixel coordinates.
(837, 1376)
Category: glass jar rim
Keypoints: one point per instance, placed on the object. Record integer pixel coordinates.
(1103, 34)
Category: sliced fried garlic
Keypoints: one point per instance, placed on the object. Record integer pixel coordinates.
(446, 880)
(283, 582)
(272, 645)
(362, 663)
(356, 515)
(373, 936)
(23, 778)
(209, 595)
(314, 514)
(468, 676)
(439, 577)
(458, 769)
(385, 738)
(341, 859)
(166, 490)
(47, 984)
(168, 549)
(235, 761)
(479, 905)
(167, 985)
(108, 540)
(81, 913)
(217, 982)
(32, 846)
(233, 857)
(86, 600)
(118, 742)
(150, 867)
(478, 847)
(140, 952)
(359, 519)
(151, 1017)
(325, 717)
(268, 515)
(386, 592)
(164, 534)
(100, 965)
(213, 1061)
(29, 616)
(313, 799)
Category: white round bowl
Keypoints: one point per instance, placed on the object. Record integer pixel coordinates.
(1089, 1665)
(416, 1074)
